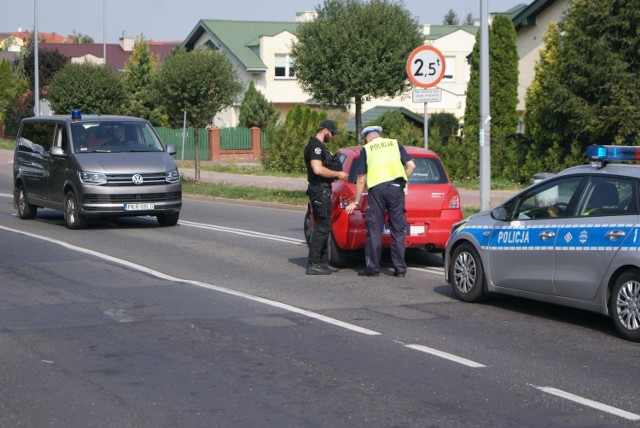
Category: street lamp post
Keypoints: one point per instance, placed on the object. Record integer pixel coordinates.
(36, 80)
(485, 118)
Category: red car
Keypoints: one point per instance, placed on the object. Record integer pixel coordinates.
(432, 204)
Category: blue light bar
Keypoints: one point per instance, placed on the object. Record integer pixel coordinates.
(76, 115)
(613, 153)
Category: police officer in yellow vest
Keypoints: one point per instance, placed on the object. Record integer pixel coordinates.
(385, 167)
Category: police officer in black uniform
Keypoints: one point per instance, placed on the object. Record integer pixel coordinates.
(385, 167)
(316, 158)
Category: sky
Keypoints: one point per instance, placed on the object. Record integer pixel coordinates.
(173, 20)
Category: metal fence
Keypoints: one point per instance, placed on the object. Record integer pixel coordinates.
(238, 138)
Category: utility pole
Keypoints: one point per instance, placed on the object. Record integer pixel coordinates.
(36, 79)
(485, 118)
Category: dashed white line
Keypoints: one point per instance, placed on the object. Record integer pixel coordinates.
(589, 403)
(446, 356)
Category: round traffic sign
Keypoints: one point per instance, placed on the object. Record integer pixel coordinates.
(425, 66)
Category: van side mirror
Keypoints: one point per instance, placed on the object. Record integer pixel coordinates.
(171, 149)
(57, 151)
(499, 213)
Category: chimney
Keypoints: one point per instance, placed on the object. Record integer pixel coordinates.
(127, 43)
(305, 16)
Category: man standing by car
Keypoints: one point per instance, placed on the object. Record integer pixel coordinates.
(385, 167)
(320, 177)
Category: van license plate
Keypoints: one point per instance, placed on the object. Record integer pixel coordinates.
(138, 207)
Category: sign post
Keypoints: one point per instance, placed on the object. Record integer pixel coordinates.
(425, 68)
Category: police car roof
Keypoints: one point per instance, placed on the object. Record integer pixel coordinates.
(608, 169)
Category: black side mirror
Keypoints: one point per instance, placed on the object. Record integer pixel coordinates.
(499, 213)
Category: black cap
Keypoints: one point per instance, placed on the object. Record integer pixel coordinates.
(330, 125)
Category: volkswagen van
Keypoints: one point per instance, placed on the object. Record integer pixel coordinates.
(94, 167)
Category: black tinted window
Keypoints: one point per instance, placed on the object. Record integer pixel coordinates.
(36, 137)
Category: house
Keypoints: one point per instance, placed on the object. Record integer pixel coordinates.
(531, 24)
(260, 52)
(13, 41)
(117, 54)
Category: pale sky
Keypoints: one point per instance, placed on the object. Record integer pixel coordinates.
(171, 20)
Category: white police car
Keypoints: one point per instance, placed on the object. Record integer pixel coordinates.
(573, 240)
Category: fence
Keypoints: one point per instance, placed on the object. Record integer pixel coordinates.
(217, 144)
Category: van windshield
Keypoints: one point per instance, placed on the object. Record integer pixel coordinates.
(114, 137)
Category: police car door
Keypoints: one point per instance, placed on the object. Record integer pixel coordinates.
(521, 250)
(586, 244)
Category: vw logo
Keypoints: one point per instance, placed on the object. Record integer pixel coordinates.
(137, 179)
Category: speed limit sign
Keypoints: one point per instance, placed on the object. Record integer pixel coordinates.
(425, 66)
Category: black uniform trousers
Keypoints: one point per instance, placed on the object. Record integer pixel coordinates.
(320, 198)
(385, 197)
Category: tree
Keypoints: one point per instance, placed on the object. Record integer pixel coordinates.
(395, 126)
(256, 110)
(80, 38)
(587, 84)
(202, 83)
(140, 70)
(49, 63)
(349, 54)
(6, 86)
(469, 19)
(503, 88)
(88, 87)
(451, 18)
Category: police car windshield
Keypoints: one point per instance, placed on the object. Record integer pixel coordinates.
(114, 137)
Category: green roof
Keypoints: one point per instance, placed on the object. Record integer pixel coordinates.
(240, 38)
(377, 111)
(438, 31)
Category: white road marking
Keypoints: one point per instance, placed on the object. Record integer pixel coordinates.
(446, 356)
(244, 232)
(6, 195)
(161, 275)
(589, 403)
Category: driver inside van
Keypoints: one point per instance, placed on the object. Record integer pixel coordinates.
(88, 140)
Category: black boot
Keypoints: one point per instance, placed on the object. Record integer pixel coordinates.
(317, 269)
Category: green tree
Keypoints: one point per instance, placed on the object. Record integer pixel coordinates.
(503, 89)
(354, 51)
(287, 141)
(88, 87)
(395, 126)
(256, 110)
(6, 86)
(587, 84)
(451, 18)
(140, 70)
(469, 19)
(80, 38)
(49, 63)
(202, 83)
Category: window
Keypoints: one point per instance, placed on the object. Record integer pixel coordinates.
(449, 68)
(546, 201)
(284, 66)
(606, 196)
(36, 137)
(428, 171)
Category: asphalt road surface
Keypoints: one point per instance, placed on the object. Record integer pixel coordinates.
(214, 323)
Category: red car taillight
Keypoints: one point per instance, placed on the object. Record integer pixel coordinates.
(452, 201)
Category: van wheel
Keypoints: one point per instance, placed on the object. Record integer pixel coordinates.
(466, 274)
(624, 305)
(26, 211)
(168, 219)
(71, 213)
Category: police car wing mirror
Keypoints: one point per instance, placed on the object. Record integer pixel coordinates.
(499, 213)
(57, 151)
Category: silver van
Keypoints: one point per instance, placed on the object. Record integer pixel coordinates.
(94, 167)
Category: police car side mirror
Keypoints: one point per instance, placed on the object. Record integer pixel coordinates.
(499, 213)
(171, 149)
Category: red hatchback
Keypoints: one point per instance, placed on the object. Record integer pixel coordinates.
(432, 204)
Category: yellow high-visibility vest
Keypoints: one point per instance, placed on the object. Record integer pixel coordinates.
(383, 161)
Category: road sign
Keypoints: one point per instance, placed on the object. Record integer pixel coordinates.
(430, 95)
(425, 66)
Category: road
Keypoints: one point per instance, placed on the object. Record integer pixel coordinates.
(213, 323)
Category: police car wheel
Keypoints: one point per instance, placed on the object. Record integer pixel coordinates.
(466, 274)
(624, 305)
(73, 218)
(26, 211)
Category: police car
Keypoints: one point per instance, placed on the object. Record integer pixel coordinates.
(572, 239)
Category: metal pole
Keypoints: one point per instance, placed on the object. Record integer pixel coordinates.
(104, 32)
(426, 126)
(184, 131)
(36, 76)
(485, 118)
